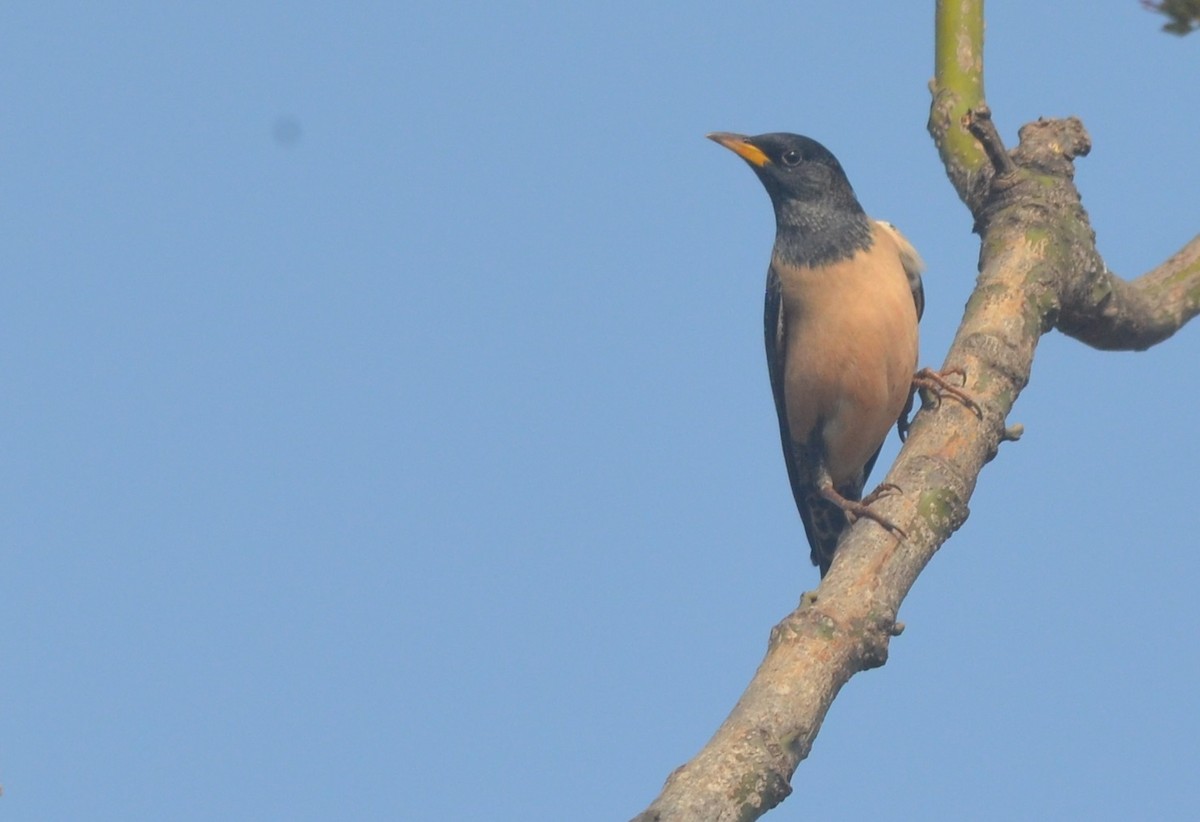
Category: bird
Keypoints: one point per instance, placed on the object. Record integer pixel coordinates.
(843, 301)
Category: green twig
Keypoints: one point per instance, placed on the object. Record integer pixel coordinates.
(957, 89)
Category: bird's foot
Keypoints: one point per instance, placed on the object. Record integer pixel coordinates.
(855, 509)
(934, 384)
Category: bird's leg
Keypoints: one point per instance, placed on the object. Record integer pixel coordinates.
(934, 383)
(854, 508)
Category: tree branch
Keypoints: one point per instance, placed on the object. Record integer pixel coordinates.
(1184, 15)
(1089, 302)
(1038, 269)
(1112, 314)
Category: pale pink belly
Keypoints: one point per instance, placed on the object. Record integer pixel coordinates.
(852, 350)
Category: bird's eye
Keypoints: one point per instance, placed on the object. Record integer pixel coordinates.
(791, 157)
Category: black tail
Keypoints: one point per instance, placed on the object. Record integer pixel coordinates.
(824, 523)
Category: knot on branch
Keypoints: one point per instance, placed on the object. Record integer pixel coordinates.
(1034, 181)
(1051, 146)
(862, 635)
(873, 635)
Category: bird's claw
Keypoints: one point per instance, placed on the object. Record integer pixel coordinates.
(934, 384)
(885, 489)
(855, 509)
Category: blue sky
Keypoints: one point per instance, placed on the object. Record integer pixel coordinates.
(424, 466)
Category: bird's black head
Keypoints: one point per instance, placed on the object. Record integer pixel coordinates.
(792, 167)
(817, 215)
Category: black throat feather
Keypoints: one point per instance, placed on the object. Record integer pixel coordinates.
(814, 234)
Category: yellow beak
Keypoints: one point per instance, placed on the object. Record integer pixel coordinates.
(740, 145)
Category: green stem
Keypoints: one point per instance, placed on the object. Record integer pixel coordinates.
(958, 49)
(957, 86)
